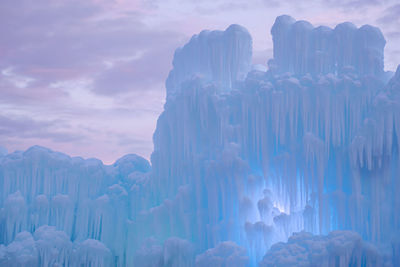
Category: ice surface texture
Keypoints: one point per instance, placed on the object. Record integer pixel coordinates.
(87, 204)
(223, 57)
(300, 48)
(242, 160)
(339, 248)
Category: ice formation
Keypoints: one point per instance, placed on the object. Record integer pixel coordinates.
(225, 254)
(243, 158)
(223, 57)
(339, 248)
(70, 210)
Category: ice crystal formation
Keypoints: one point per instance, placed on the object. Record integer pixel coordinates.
(294, 166)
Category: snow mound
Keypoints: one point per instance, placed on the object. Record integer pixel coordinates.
(339, 248)
(225, 254)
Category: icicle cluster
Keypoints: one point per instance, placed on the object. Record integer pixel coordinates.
(300, 48)
(223, 57)
(308, 145)
(67, 211)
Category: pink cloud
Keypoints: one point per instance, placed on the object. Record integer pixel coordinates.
(109, 95)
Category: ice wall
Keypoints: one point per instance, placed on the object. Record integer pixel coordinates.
(67, 211)
(310, 144)
(241, 161)
(300, 48)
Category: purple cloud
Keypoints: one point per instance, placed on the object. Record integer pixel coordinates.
(391, 15)
(75, 74)
(25, 127)
(69, 40)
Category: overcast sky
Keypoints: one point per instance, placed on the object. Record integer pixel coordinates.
(87, 77)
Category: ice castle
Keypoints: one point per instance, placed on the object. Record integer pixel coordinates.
(294, 166)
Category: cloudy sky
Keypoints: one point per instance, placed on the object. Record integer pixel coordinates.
(87, 77)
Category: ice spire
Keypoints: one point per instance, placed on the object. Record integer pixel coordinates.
(300, 48)
(223, 57)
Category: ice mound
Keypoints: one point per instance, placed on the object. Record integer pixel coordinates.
(339, 248)
(50, 247)
(225, 254)
(174, 252)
